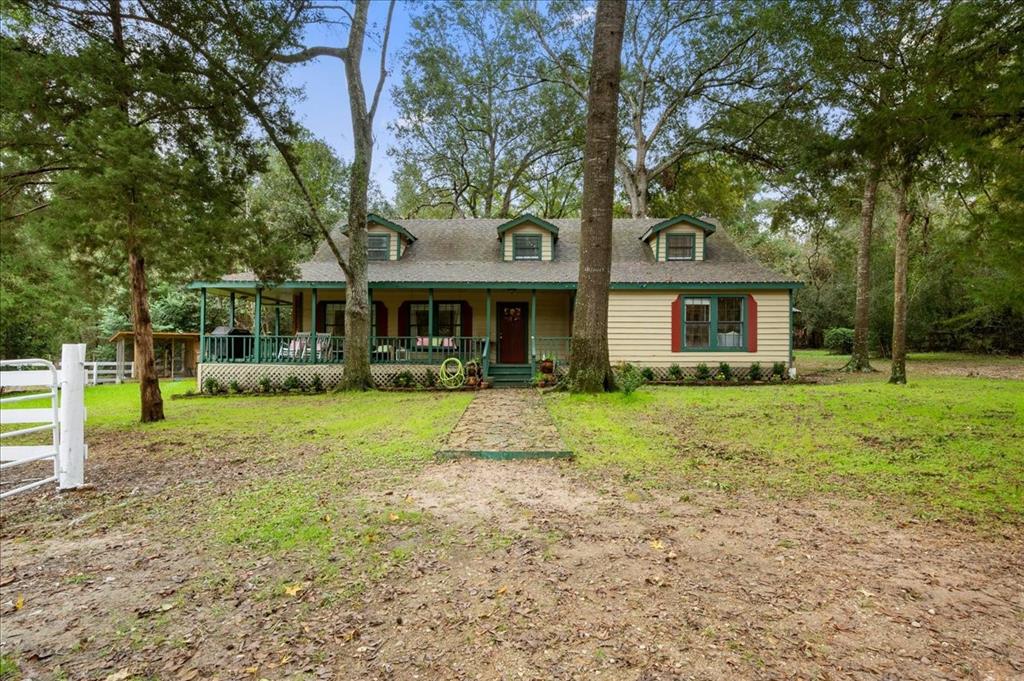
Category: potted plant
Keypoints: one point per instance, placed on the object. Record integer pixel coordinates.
(547, 364)
(472, 368)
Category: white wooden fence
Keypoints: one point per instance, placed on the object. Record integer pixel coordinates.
(107, 372)
(64, 417)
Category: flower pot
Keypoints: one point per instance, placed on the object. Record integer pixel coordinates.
(547, 366)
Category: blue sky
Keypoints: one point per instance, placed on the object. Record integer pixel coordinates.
(324, 107)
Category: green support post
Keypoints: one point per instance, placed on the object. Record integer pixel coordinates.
(373, 335)
(202, 324)
(487, 336)
(533, 332)
(258, 331)
(231, 309)
(277, 319)
(430, 325)
(312, 329)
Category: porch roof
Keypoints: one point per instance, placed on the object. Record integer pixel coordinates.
(464, 252)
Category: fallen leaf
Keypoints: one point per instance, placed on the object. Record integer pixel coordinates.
(393, 517)
(293, 589)
(20, 603)
(657, 544)
(502, 590)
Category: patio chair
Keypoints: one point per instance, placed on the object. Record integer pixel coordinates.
(295, 349)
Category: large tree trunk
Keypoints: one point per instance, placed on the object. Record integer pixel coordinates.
(142, 327)
(357, 298)
(860, 360)
(899, 299)
(590, 370)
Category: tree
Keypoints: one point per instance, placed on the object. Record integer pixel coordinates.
(357, 296)
(484, 137)
(590, 370)
(691, 77)
(143, 165)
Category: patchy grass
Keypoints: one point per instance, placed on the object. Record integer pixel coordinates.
(943, 447)
(8, 668)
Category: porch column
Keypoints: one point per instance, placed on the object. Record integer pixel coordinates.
(430, 325)
(202, 325)
(120, 360)
(533, 331)
(312, 328)
(258, 331)
(231, 309)
(277, 319)
(487, 333)
(373, 336)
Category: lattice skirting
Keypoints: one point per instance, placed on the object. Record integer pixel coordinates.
(248, 376)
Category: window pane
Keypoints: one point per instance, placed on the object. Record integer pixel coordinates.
(378, 246)
(698, 323)
(526, 247)
(730, 322)
(419, 315)
(680, 246)
(449, 318)
(334, 321)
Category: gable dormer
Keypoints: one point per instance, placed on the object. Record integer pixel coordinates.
(527, 238)
(678, 238)
(385, 240)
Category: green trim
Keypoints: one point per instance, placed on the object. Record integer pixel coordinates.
(515, 246)
(487, 335)
(713, 324)
(387, 249)
(495, 455)
(258, 330)
(312, 327)
(202, 324)
(384, 222)
(682, 217)
(516, 286)
(527, 218)
(532, 349)
(668, 246)
(791, 327)
(231, 309)
(430, 324)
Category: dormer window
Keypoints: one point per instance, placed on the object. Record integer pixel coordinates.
(680, 246)
(526, 247)
(527, 237)
(378, 246)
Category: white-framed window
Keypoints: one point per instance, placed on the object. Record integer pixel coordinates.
(378, 246)
(526, 247)
(680, 246)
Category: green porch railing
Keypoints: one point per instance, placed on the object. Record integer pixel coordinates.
(555, 347)
(299, 349)
(424, 350)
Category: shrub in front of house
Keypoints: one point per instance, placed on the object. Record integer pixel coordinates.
(316, 384)
(839, 340)
(648, 374)
(724, 372)
(675, 372)
(754, 373)
(630, 378)
(234, 387)
(404, 379)
(292, 382)
(264, 385)
(703, 372)
(779, 369)
(211, 386)
(430, 379)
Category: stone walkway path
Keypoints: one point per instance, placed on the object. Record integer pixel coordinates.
(506, 420)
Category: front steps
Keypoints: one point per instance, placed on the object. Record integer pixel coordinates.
(510, 375)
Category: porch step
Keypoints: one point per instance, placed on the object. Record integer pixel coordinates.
(510, 374)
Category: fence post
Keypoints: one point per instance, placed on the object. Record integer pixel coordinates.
(71, 453)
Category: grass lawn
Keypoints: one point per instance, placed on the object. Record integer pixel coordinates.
(941, 446)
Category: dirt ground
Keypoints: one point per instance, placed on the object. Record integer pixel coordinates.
(537, 572)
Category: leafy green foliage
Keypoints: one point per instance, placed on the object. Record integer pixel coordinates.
(211, 386)
(647, 373)
(754, 372)
(839, 340)
(724, 372)
(703, 372)
(675, 372)
(291, 382)
(629, 379)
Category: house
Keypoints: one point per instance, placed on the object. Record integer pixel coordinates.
(502, 291)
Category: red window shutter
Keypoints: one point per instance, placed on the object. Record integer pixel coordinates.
(467, 319)
(677, 324)
(751, 324)
(321, 316)
(381, 311)
(403, 319)
(296, 313)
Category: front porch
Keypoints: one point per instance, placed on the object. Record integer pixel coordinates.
(301, 330)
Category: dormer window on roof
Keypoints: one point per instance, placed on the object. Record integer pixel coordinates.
(527, 237)
(385, 240)
(679, 238)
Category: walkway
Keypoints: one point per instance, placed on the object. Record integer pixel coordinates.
(505, 424)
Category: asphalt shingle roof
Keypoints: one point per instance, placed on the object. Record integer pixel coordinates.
(468, 250)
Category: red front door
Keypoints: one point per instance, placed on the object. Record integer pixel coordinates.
(512, 333)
